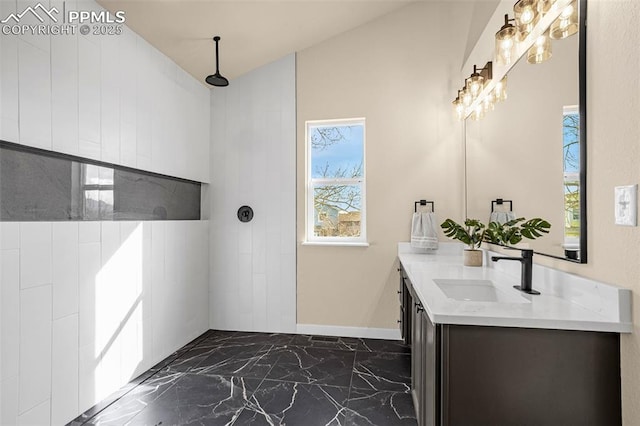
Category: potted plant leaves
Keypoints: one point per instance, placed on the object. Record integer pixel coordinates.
(513, 231)
(472, 234)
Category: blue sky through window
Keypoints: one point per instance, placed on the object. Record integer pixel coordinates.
(335, 149)
(571, 143)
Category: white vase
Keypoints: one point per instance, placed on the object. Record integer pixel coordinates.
(472, 257)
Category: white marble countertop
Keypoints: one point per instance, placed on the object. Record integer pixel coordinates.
(567, 301)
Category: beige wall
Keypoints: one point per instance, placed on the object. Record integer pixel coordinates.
(396, 72)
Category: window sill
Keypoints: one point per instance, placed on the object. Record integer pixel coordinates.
(334, 243)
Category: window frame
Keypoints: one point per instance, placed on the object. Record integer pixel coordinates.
(311, 183)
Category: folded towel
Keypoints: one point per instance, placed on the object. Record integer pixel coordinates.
(502, 217)
(424, 231)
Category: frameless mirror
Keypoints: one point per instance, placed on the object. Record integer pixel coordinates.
(531, 149)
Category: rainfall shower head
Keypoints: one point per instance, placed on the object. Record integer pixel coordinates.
(217, 79)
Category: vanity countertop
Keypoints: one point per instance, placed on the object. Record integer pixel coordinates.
(567, 301)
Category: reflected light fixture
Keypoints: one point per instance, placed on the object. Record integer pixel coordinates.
(466, 97)
(478, 112)
(217, 79)
(488, 103)
(541, 50)
(566, 24)
(505, 50)
(544, 6)
(526, 13)
(500, 90)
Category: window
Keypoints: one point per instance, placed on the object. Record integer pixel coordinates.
(336, 181)
(571, 162)
(97, 188)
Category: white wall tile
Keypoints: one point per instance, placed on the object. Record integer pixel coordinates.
(110, 100)
(10, 313)
(87, 373)
(35, 346)
(35, 96)
(89, 98)
(253, 134)
(9, 235)
(9, 401)
(90, 265)
(35, 254)
(64, 368)
(64, 88)
(65, 268)
(8, 82)
(89, 232)
(37, 416)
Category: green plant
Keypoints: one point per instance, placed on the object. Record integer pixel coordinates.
(472, 233)
(513, 231)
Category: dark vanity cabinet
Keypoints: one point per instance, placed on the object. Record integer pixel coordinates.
(479, 375)
(405, 298)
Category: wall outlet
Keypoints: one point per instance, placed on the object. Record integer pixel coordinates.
(626, 205)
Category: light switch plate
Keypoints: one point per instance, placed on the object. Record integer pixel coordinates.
(626, 205)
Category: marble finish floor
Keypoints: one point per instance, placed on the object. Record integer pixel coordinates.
(239, 378)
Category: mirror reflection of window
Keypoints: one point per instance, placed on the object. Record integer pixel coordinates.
(571, 169)
(97, 191)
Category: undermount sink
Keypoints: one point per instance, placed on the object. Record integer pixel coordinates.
(477, 291)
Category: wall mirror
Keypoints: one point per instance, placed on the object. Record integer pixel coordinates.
(531, 149)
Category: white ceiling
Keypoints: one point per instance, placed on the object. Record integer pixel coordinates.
(253, 32)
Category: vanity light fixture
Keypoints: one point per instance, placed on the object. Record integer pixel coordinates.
(505, 51)
(567, 23)
(477, 80)
(541, 50)
(526, 12)
(458, 107)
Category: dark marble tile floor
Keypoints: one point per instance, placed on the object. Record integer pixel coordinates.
(239, 378)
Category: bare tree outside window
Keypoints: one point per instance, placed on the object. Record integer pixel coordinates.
(571, 163)
(336, 179)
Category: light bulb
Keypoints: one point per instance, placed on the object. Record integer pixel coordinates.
(566, 24)
(526, 12)
(458, 107)
(505, 46)
(475, 83)
(567, 12)
(540, 51)
(478, 112)
(467, 98)
(487, 103)
(500, 90)
(527, 15)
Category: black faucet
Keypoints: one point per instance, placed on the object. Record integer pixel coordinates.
(527, 269)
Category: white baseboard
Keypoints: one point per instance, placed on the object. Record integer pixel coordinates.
(363, 332)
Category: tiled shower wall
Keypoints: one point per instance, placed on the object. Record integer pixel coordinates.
(110, 98)
(87, 306)
(253, 153)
